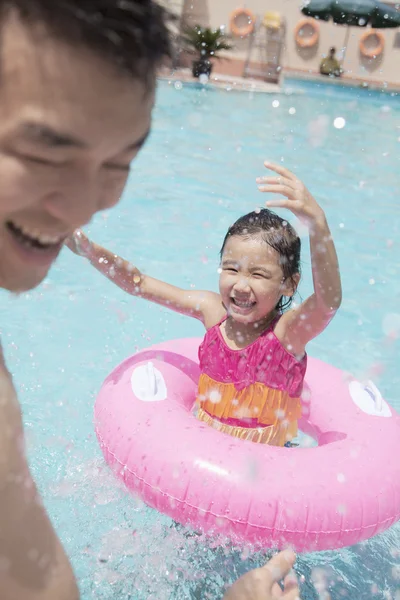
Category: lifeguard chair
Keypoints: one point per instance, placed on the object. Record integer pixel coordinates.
(265, 48)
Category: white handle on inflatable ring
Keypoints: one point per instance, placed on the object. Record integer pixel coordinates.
(152, 378)
(375, 395)
(367, 398)
(148, 384)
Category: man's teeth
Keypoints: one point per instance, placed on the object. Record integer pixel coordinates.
(34, 234)
(43, 238)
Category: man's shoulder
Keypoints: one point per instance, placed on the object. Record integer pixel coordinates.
(11, 431)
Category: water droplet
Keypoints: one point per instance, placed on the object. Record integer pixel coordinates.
(214, 396)
(339, 122)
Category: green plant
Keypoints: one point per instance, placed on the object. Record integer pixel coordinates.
(206, 42)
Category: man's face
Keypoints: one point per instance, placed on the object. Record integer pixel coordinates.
(69, 127)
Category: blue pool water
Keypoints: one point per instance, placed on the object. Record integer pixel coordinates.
(195, 176)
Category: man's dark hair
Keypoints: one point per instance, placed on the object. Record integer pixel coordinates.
(130, 34)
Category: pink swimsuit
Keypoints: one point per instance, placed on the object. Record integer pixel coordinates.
(252, 393)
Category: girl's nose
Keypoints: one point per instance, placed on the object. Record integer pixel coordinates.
(242, 285)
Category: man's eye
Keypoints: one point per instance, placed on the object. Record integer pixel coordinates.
(37, 160)
(123, 168)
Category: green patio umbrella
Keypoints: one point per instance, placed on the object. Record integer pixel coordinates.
(356, 13)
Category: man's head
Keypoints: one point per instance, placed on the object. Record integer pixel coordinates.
(332, 52)
(77, 80)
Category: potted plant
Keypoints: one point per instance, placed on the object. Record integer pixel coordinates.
(206, 43)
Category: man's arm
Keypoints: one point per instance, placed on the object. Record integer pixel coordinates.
(33, 564)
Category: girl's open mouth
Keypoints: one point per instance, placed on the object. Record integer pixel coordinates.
(243, 304)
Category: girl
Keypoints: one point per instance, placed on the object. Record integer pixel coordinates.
(253, 357)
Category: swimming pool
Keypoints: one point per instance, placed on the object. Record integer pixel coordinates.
(195, 176)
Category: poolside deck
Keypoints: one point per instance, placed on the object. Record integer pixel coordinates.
(346, 80)
(220, 81)
(230, 83)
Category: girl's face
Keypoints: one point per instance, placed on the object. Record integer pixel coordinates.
(251, 281)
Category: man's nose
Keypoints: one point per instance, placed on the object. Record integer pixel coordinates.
(75, 201)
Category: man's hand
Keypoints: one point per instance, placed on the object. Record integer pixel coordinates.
(263, 583)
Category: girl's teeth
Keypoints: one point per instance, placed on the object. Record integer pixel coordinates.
(243, 304)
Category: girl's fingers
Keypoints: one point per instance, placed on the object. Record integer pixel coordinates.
(275, 180)
(277, 189)
(280, 170)
(280, 204)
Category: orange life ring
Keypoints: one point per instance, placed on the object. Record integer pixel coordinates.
(375, 50)
(311, 40)
(242, 30)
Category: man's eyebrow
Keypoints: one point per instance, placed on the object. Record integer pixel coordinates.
(50, 137)
(57, 139)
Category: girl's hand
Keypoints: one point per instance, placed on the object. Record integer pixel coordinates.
(79, 243)
(298, 199)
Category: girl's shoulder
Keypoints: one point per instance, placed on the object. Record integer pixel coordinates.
(213, 310)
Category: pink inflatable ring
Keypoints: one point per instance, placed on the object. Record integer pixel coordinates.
(341, 492)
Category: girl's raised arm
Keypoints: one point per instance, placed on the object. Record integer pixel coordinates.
(298, 326)
(193, 303)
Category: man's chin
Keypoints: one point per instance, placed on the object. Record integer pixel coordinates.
(21, 281)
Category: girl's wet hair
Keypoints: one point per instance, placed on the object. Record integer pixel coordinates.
(279, 235)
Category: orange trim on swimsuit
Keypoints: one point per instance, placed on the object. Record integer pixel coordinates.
(262, 406)
(256, 401)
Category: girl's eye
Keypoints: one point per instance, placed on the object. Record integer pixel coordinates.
(230, 270)
(258, 274)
